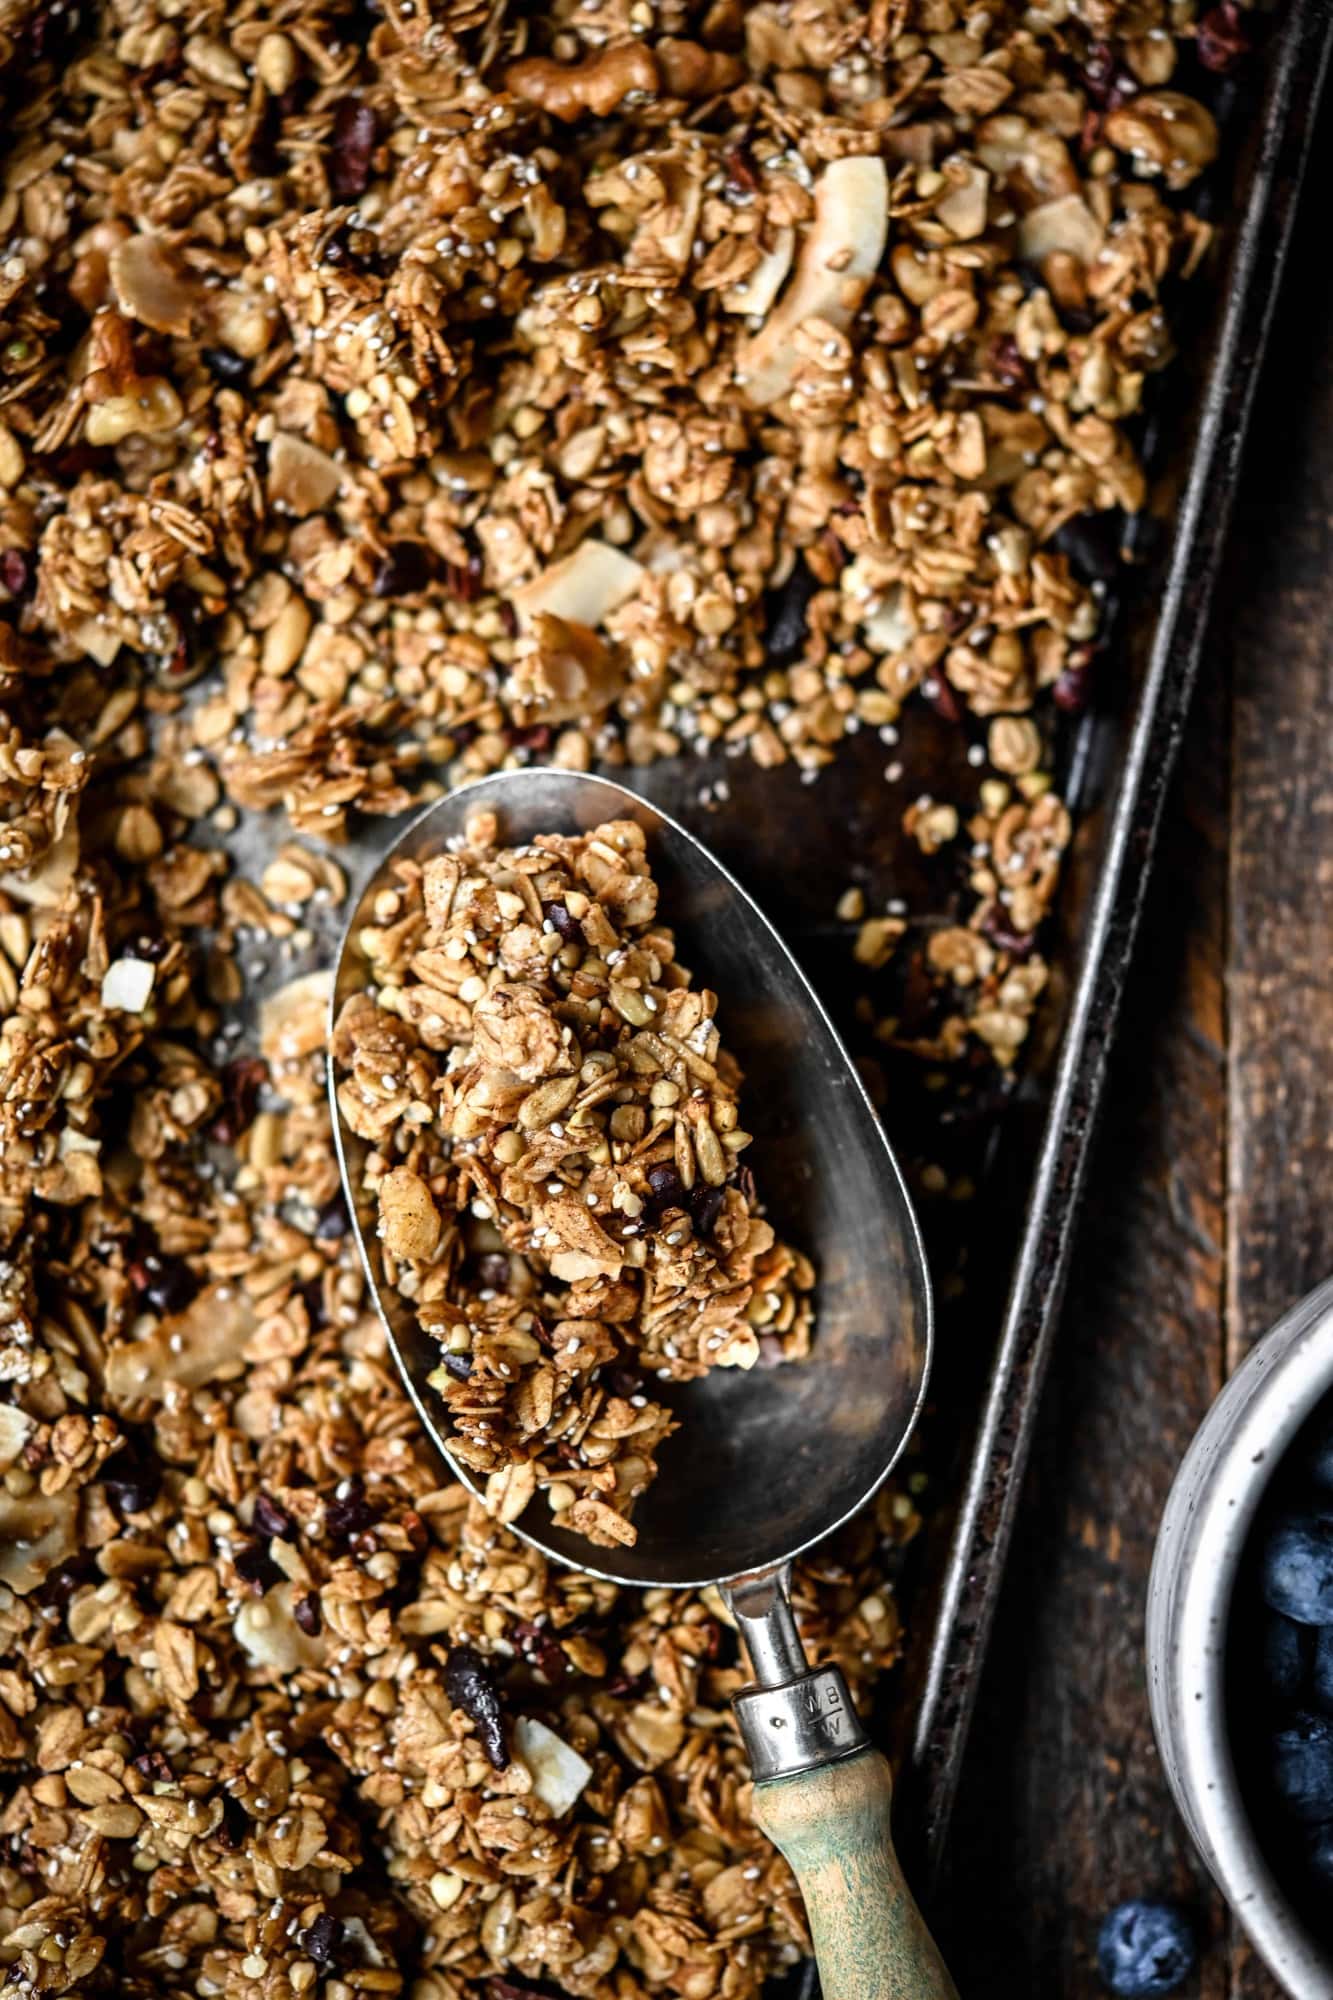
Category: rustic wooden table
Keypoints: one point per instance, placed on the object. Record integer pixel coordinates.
(1211, 1210)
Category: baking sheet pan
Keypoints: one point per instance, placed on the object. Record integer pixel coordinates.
(1023, 1140)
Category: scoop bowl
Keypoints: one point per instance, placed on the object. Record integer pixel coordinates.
(769, 1461)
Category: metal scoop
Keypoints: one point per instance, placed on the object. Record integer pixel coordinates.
(766, 1463)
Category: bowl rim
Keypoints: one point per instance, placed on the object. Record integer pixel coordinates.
(1205, 1528)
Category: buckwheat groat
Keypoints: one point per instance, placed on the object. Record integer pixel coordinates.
(557, 1163)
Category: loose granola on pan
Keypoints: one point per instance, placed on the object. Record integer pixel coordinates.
(555, 1163)
(390, 394)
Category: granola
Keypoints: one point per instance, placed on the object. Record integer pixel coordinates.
(388, 396)
(556, 1163)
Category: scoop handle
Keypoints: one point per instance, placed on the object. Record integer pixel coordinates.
(823, 1795)
(832, 1825)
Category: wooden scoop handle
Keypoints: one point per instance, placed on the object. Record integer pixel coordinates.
(832, 1825)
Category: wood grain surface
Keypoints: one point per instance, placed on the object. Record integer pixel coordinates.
(1211, 1210)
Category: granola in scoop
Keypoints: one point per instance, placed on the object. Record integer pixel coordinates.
(555, 1162)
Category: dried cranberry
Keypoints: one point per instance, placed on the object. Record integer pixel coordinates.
(464, 580)
(1008, 363)
(321, 1938)
(509, 619)
(469, 1686)
(541, 1650)
(509, 1989)
(155, 1766)
(224, 366)
(241, 1084)
(15, 571)
(569, 928)
(405, 569)
(770, 1351)
(1073, 689)
(132, 1480)
(306, 1612)
(1105, 79)
(333, 1220)
(271, 1519)
(537, 738)
(788, 621)
(1018, 944)
(493, 1270)
(255, 1566)
(705, 1208)
(1222, 40)
(741, 175)
(353, 144)
(349, 1514)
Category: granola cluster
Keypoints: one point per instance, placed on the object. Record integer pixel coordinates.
(555, 1161)
(390, 393)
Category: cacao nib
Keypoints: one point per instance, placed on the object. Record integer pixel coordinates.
(255, 1566)
(353, 144)
(787, 607)
(306, 1612)
(493, 1270)
(321, 1938)
(569, 928)
(155, 1766)
(404, 569)
(458, 1365)
(470, 1686)
(349, 1514)
(224, 366)
(271, 1519)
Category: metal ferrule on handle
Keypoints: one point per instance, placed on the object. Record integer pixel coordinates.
(822, 1794)
(798, 1716)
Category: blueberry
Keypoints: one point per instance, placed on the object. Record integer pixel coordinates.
(1320, 1463)
(1319, 1854)
(1321, 1678)
(1297, 1568)
(1286, 1654)
(1303, 1767)
(1145, 1948)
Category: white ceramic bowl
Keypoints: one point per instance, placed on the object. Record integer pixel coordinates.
(1204, 1530)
